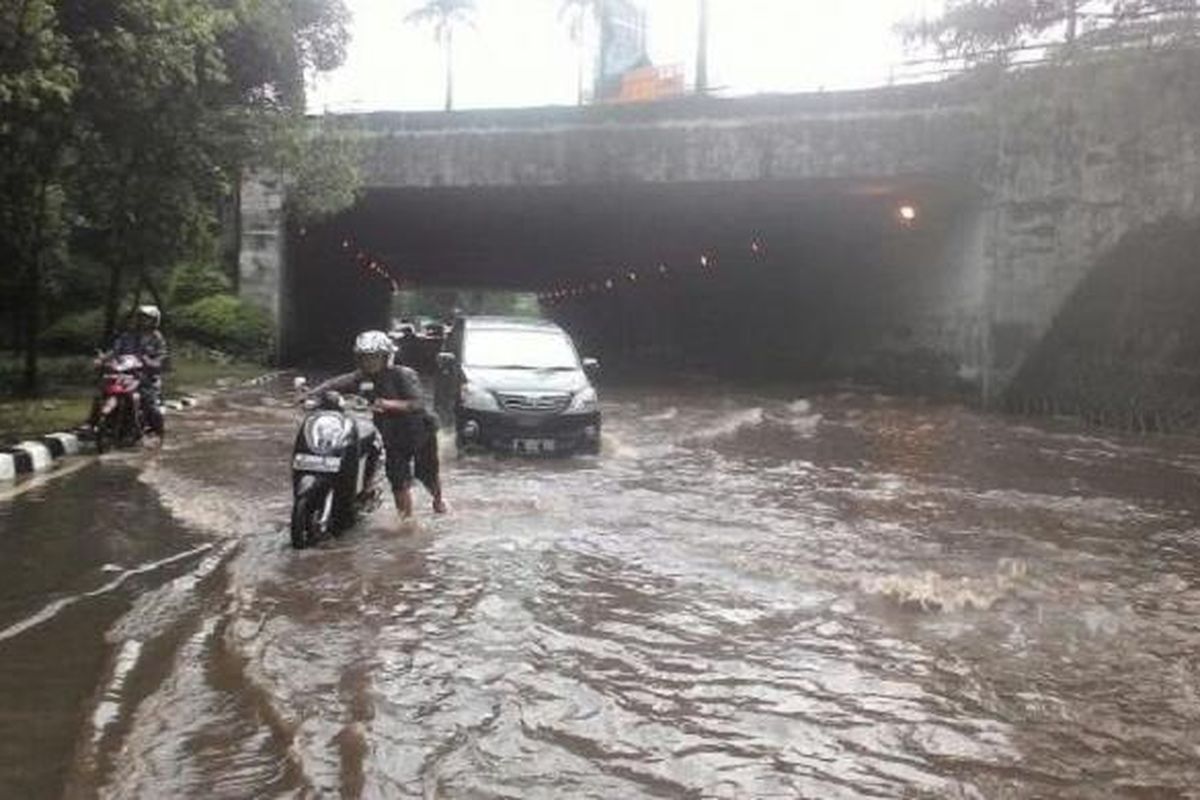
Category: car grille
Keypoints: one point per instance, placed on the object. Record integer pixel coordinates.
(535, 403)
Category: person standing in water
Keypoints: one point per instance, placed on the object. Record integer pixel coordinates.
(406, 426)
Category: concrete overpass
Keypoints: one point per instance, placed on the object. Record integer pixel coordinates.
(1021, 187)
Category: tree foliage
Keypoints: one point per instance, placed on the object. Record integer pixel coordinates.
(324, 178)
(125, 124)
(993, 30)
(38, 83)
(445, 16)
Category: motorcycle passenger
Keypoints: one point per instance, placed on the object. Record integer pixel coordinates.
(408, 430)
(144, 340)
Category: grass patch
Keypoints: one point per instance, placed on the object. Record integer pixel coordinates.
(22, 419)
(194, 374)
(69, 383)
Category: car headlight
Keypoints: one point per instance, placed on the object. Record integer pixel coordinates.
(478, 399)
(584, 402)
(324, 433)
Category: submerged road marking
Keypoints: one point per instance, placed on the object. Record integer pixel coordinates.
(52, 610)
(42, 478)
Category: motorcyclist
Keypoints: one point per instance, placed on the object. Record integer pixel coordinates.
(144, 340)
(408, 429)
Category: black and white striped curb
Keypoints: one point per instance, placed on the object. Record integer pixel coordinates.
(36, 455)
(40, 454)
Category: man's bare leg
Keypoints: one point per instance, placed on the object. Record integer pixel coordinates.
(439, 503)
(404, 501)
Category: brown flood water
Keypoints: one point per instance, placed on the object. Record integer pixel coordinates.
(747, 595)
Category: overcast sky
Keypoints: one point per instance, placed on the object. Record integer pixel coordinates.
(519, 53)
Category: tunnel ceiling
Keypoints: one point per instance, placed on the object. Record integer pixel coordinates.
(539, 237)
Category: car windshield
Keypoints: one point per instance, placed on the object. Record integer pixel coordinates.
(519, 349)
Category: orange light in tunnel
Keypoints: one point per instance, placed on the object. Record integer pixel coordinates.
(907, 213)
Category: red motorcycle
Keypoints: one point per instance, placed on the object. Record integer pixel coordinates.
(119, 418)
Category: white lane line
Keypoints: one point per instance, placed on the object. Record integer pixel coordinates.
(52, 610)
(38, 480)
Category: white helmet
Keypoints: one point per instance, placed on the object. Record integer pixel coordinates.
(150, 312)
(373, 343)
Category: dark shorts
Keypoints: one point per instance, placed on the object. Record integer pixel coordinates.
(412, 457)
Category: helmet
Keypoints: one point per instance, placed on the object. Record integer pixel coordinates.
(373, 343)
(151, 313)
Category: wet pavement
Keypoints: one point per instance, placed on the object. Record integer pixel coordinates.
(770, 594)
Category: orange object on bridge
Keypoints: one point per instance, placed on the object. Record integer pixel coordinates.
(646, 84)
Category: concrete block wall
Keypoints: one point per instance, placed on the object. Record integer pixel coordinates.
(1086, 156)
(261, 257)
(1056, 168)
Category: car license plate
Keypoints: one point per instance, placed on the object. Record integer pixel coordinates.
(313, 463)
(534, 445)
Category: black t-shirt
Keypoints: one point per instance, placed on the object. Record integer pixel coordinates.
(390, 383)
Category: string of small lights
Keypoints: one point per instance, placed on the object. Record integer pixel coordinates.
(706, 263)
(371, 264)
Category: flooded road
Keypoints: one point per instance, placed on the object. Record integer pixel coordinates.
(748, 595)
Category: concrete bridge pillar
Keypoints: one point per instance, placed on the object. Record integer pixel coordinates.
(262, 246)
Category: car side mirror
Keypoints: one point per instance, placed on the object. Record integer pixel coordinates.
(446, 360)
(591, 364)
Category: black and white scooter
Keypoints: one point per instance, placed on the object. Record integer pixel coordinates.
(335, 470)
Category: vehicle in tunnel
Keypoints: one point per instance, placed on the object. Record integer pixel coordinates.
(517, 385)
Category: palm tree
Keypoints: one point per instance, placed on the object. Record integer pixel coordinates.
(576, 13)
(445, 16)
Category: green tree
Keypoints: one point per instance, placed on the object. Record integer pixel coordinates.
(989, 31)
(445, 16)
(176, 97)
(38, 82)
(125, 126)
(324, 177)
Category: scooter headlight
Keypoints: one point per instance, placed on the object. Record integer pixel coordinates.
(324, 433)
(478, 399)
(584, 402)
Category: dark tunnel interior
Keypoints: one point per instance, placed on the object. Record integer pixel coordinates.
(785, 279)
